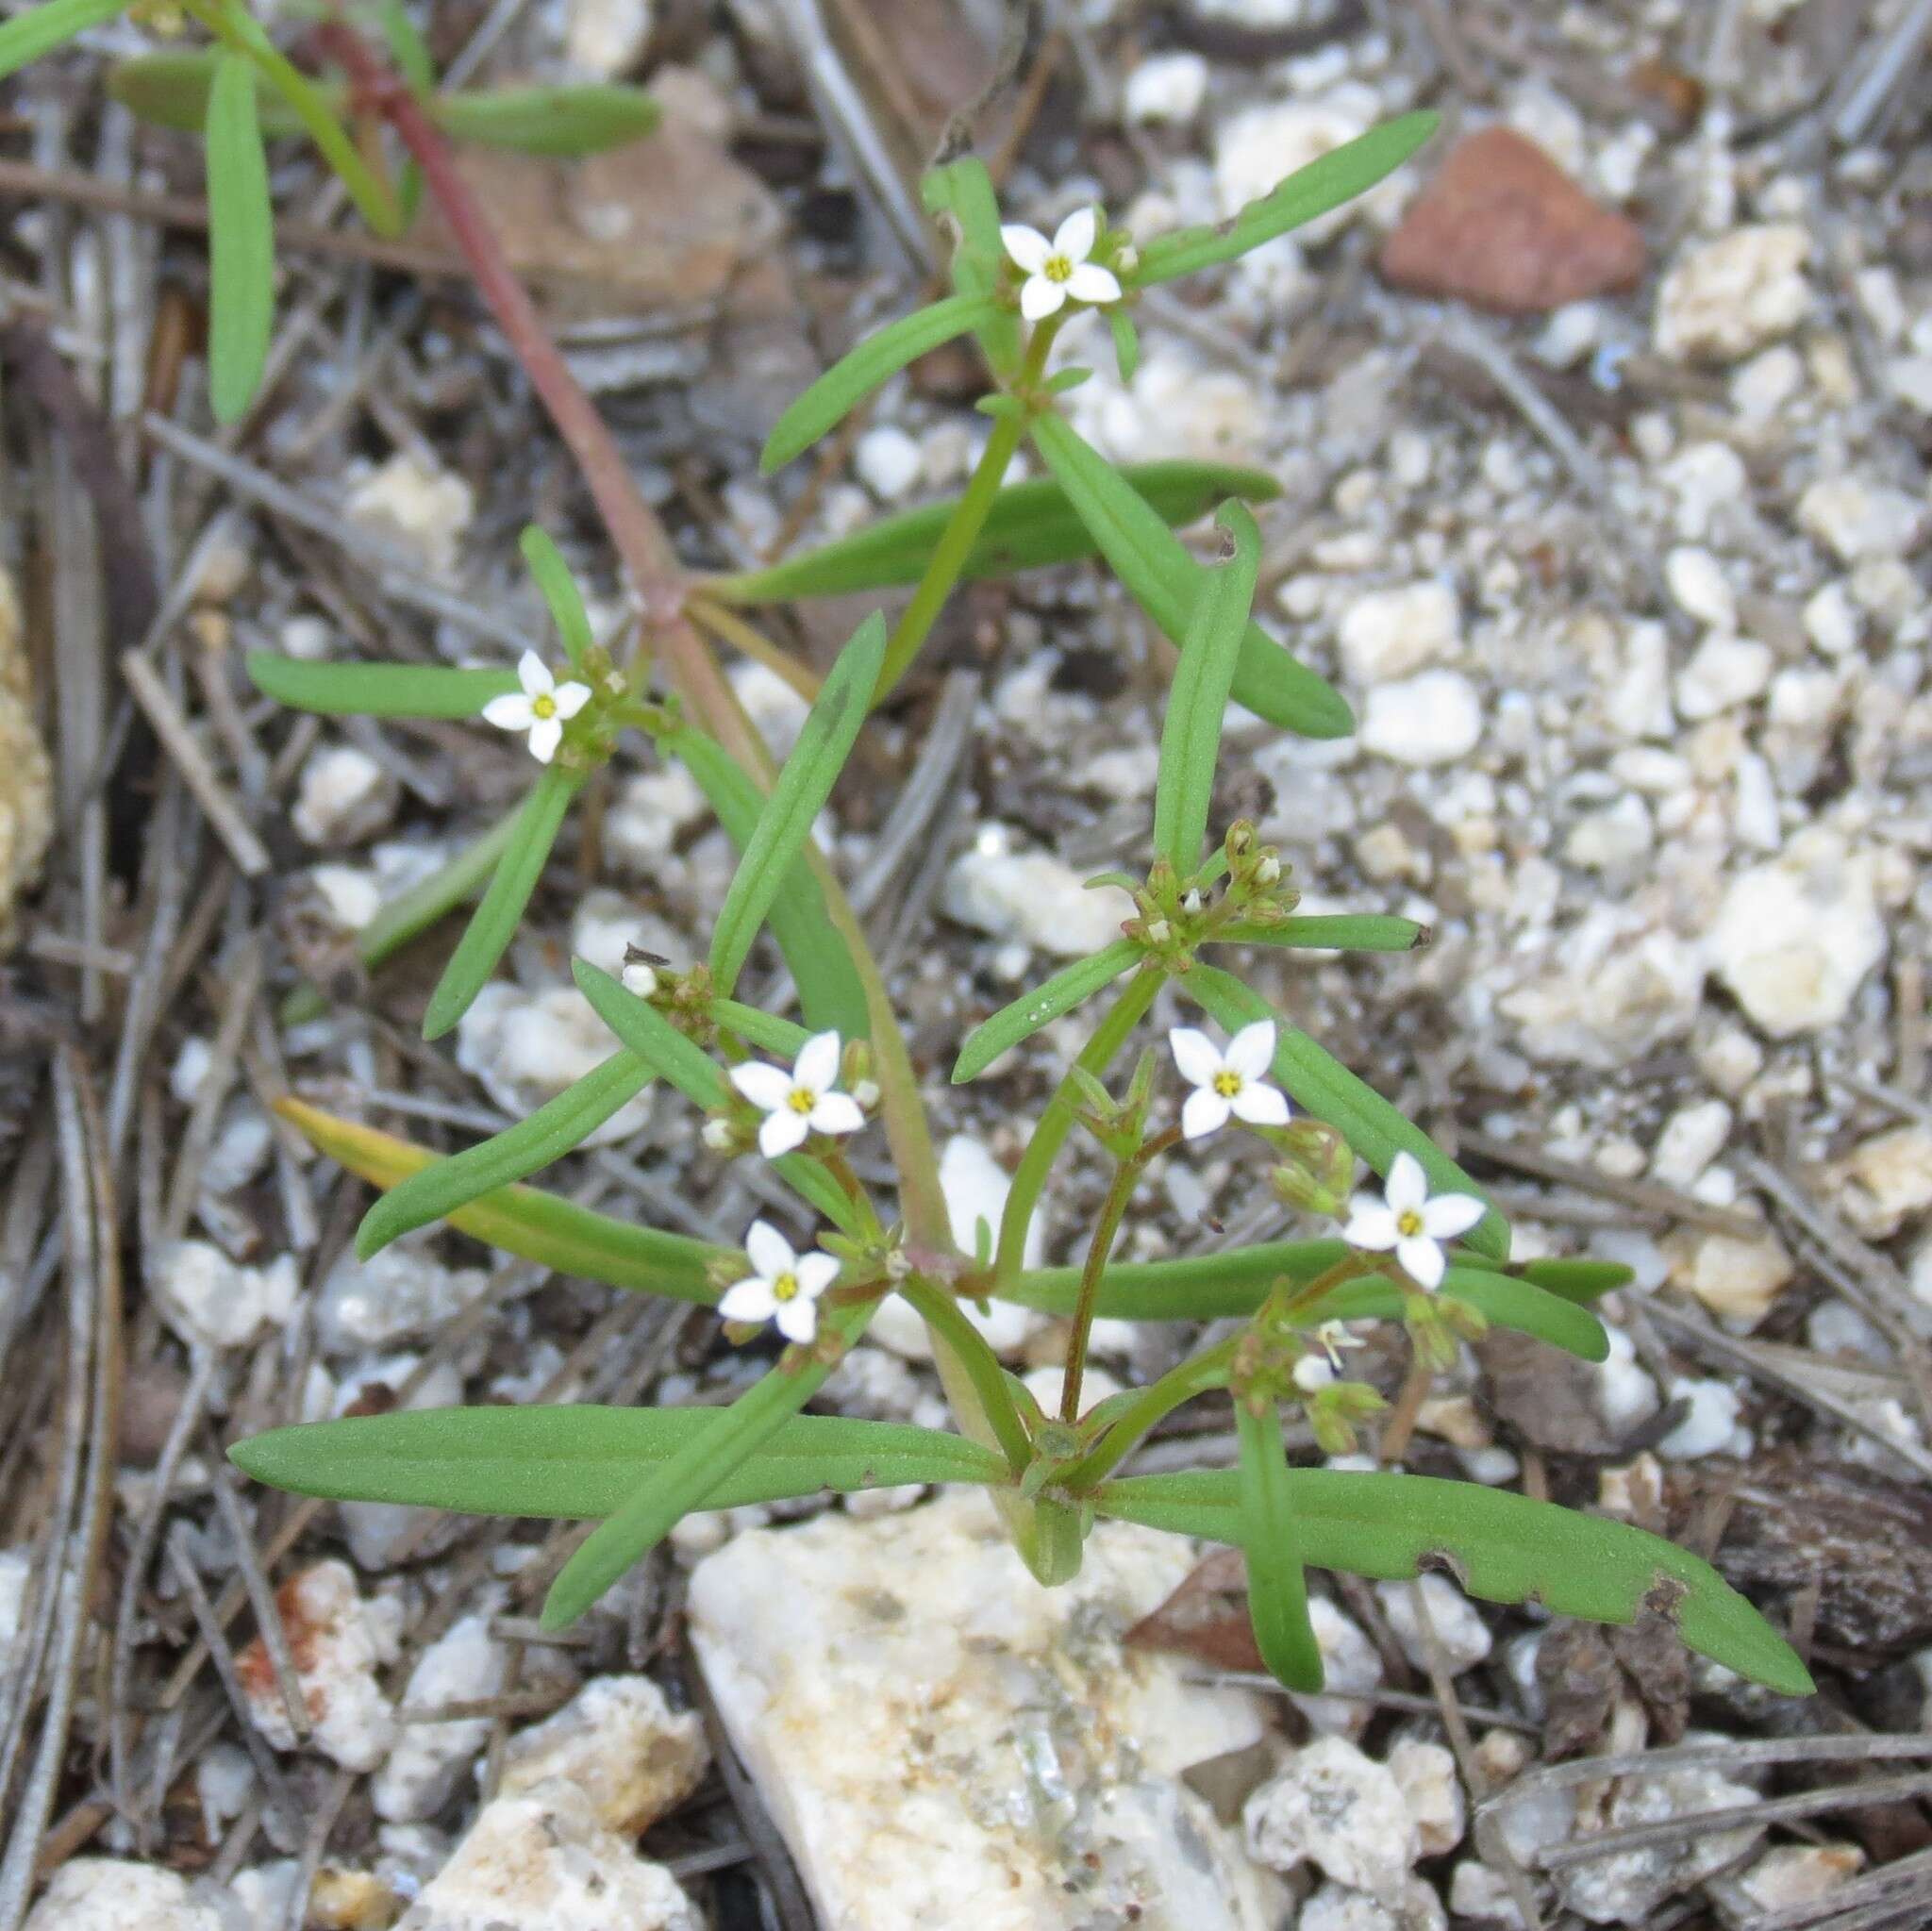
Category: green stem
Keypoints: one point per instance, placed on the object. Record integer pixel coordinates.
(1050, 1135)
(1127, 1175)
(1156, 1402)
(947, 1319)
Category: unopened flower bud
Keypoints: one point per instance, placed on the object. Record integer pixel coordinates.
(1191, 904)
(1317, 1170)
(641, 980)
(1312, 1373)
(720, 1136)
(1268, 872)
(866, 1093)
(1158, 932)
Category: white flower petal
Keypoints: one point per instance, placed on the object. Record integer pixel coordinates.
(1039, 298)
(835, 1113)
(1250, 1052)
(1371, 1225)
(1422, 1260)
(1204, 1112)
(818, 1063)
(571, 698)
(1407, 1186)
(1312, 1373)
(1076, 236)
(816, 1272)
(533, 674)
(1027, 246)
(798, 1320)
(1195, 1054)
(509, 712)
(1090, 282)
(770, 1251)
(781, 1132)
(546, 734)
(768, 1088)
(1260, 1105)
(1450, 1214)
(751, 1300)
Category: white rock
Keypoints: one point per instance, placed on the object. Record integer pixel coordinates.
(941, 1742)
(1625, 1392)
(1735, 1277)
(394, 1295)
(888, 462)
(777, 711)
(16, 1572)
(1335, 1908)
(648, 814)
(1479, 1892)
(1638, 703)
(620, 1746)
(1179, 405)
(1259, 147)
(1795, 939)
(1613, 837)
(605, 39)
(1789, 1875)
(1697, 581)
(1426, 1775)
(1390, 633)
(344, 796)
(116, 1894)
(1727, 297)
(205, 1297)
(1708, 481)
(1350, 1662)
(524, 1048)
(339, 1641)
(1165, 89)
(1692, 1136)
(1724, 671)
(1884, 1180)
(1033, 897)
(1832, 621)
(543, 1862)
(1910, 378)
(463, 1665)
(1332, 1806)
(1047, 1384)
(1462, 1636)
(419, 507)
(1856, 518)
(1614, 987)
(1710, 1427)
(1434, 717)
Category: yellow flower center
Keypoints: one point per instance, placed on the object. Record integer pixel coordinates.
(1227, 1083)
(543, 706)
(785, 1288)
(1408, 1223)
(801, 1099)
(1060, 268)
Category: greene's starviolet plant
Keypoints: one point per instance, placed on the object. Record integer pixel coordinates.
(1428, 1252)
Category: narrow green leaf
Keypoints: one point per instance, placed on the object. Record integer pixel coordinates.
(28, 36)
(1582, 1281)
(241, 242)
(1339, 932)
(376, 691)
(407, 46)
(1277, 1589)
(696, 1473)
(962, 191)
(565, 120)
(553, 1130)
(1503, 1300)
(796, 798)
(1127, 344)
(1325, 183)
(412, 912)
(829, 989)
(1320, 1085)
(1164, 580)
(170, 90)
(1046, 1003)
(1197, 698)
(838, 391)
(493, 924)
(1031, 524)
(545, 564)
(585, 1462)
(524, 1220)
(1504, 1548)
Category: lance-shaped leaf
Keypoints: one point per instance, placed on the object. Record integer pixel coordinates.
(524, 1220)
(1320, 1085)
(1277, 1589)
(493, 924)
(1503, 1300)
(1334, 932)
(29, 35)
(848, 381)
(1164, 580)
(585, 1462)
(1581, 1281)
(1030, 525)
(547, 1135)
(376, 691)
(803, 786)
(1046, 1003)
(545, 564)
(241, 241)
(697, 1470)
(829, 989)
(1325, 183)
(765, 1031)
(170, 90)
(1197, 697)
(1503, 1547)
(548, 120)
(961, 191)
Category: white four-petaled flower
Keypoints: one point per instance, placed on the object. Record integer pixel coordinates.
(1228, 1085)
(1411, 1221)
(1058, 269)
(784, 1287)
(539, 708)
(800, 1102)
(1316, 1370)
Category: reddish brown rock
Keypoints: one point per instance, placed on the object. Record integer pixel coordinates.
(1503, 227)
